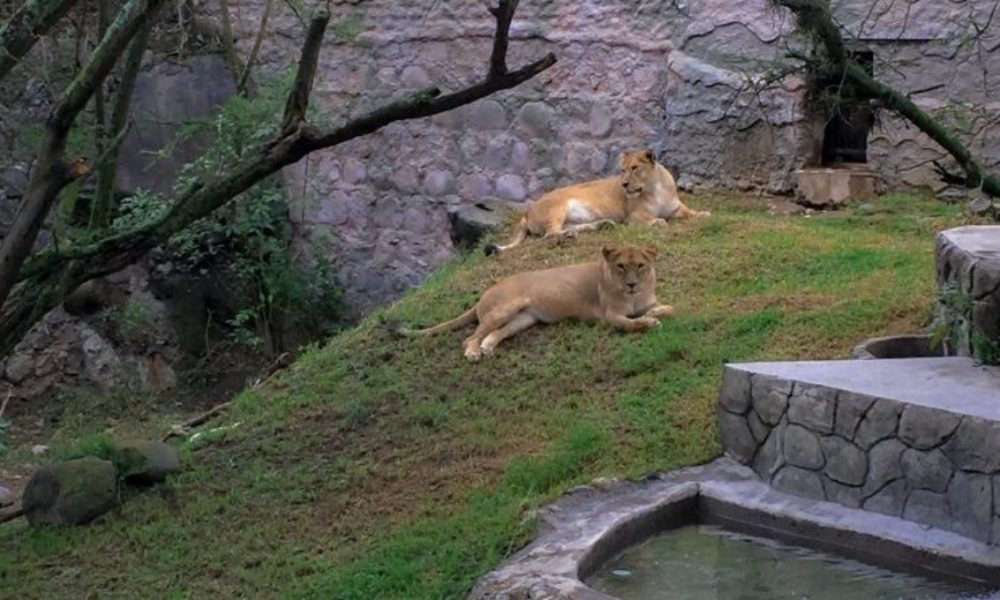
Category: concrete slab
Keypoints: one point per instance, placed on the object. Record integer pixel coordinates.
(953, 384)
(982, 241)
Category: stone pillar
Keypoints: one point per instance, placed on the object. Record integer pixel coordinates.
(968, 278)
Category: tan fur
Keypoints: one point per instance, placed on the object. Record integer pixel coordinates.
(643, 192)
(619, 290)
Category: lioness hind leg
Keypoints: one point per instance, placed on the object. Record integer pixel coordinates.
(684, 212)
(489, 323)
(519, 323)
(660, 310)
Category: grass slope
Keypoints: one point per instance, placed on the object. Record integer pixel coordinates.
(384, 468)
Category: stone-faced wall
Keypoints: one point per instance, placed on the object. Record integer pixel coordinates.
(670, 74)
(968, 277)
(930, 465)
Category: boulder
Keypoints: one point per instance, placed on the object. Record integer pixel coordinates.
(148, 461)
(73, 492)
(469, 222)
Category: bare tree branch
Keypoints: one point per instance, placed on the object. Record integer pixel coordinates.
(47, 279)
(241, 86)
(26, 27)
(504, 14)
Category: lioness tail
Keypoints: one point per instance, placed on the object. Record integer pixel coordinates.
(462, 320)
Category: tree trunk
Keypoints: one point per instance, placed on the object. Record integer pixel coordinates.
(51, 173)
(45, 280)
(814, 18)
(26, 27)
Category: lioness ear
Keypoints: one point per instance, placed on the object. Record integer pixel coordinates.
(650, 252)
(621, 160)
(648, 155)
(608, 253)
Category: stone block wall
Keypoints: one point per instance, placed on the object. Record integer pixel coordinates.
(933, 466)
(968, 277)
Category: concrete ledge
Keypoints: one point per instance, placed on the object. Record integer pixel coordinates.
(825, 187)
(915, 438)
(583, 529)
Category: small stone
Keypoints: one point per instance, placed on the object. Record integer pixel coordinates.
(802, 448)
(737, 440)
(924, 428)
(511, 187)
(879, 423)
(70, 493)
(19, 367)
(799, 482)
(497, 154)
(621, 573)
(485, 115)
(975, 445)
(770, 397)
(851, 408)
(39, 449)
(928, 508)
(355, 171)
(889, 500)
(520, 156)
(536, 120)
(842, 494)
(415, 77)
(474, 186)
(930, 470)
(600, 120)
(148, 461)
(845, 462)
(734, 394)
(405, 179)
(970, 496)
(439, 183)
(813, 407)
(883, 465)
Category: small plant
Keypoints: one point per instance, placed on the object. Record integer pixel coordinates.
(951, 323)
(135, 320)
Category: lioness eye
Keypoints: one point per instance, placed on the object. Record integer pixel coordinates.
(621, 266)
(640, 265)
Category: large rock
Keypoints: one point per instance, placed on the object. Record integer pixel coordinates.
(73, 492)
(470, 222)
(925, 428)
(802, 448)
(6, 496)
(926, 470)
(879, 423)
(770, 397)
(800, 482)
(148, 461)
(813, 407)
(845, 462)
(737, 437)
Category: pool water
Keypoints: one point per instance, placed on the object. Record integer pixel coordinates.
(703, 562)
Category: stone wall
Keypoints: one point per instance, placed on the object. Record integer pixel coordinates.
(670, 74)
(968, 277)
(934, 466)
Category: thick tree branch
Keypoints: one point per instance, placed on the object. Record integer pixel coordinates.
(51, 173)
(26, 27)
(49, 277)
(298, 98)
(504, 14)
(813, 16)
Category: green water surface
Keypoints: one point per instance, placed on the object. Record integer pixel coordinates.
(702, 562)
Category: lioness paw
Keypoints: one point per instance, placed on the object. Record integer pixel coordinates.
(703, 213)
(472, 355)
(648, 322)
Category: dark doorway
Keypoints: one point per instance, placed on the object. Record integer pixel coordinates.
(845, 138)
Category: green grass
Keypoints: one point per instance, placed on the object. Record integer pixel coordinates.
(384, 468)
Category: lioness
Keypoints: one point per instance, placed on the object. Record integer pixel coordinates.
(644, 192)
(619, 290)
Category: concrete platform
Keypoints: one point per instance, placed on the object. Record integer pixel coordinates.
(913, 438)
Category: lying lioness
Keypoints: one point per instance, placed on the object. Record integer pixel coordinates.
(644, 192)
(620, 290)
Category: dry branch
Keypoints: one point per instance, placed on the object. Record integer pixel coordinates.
(49, 277)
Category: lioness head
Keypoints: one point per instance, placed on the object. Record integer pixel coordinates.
(638, 168)
(630, 268)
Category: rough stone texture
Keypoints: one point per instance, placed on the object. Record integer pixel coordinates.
(831, 188)
(770, 397)
(802, 448)
(149, 461)
(925, 428)
(6, 496)
(879, 423)
(928, 508)
(737, 437)
(813, 407)
(73, 492)
(926, 470)
(968, 268)
(917, 438)
(845, 462)
(550, 565)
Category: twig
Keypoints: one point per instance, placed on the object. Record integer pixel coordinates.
(10, 392)
(241, 86)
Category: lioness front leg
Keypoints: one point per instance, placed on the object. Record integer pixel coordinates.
(646, 219)
(659, 310)
(624, 323)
